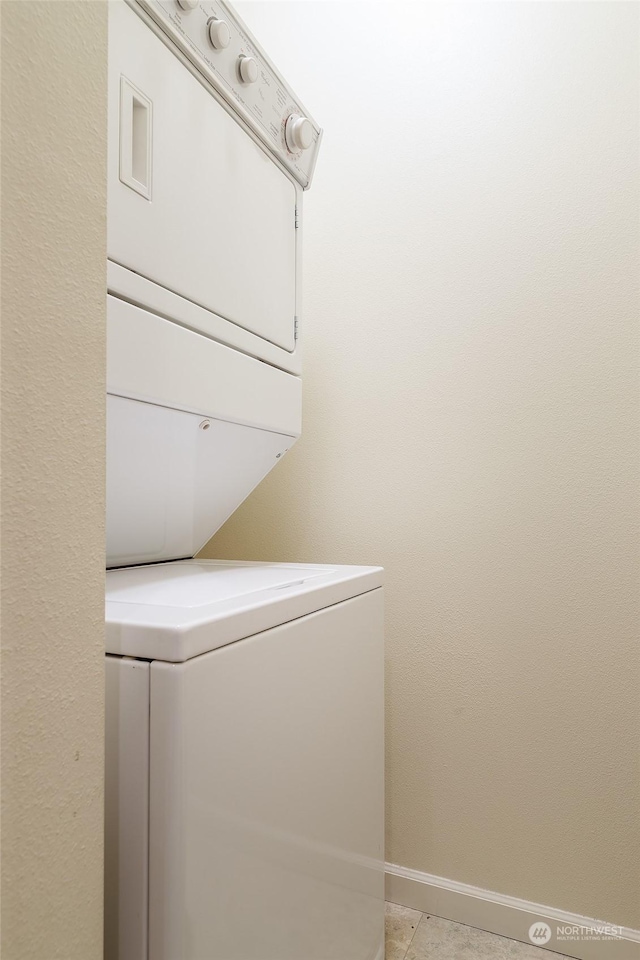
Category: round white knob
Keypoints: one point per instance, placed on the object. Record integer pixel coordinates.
(219, 34)
(298, 132)
(248, 69)
(188, 4)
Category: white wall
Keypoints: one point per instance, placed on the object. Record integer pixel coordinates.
(54, 58)
(472, 419)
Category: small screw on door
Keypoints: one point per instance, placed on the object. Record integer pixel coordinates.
(205, 424)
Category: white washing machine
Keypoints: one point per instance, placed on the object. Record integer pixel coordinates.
(244, 768)
(244, 806)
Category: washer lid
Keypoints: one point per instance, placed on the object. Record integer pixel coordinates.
(175, 611)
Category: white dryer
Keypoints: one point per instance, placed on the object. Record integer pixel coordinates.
(244, 768)
(207, 166)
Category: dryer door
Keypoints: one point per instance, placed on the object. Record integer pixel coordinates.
(194, 204)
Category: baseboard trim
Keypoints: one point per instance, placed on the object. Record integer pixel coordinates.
(506, 916)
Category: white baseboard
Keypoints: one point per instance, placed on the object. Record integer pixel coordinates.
(508, 916)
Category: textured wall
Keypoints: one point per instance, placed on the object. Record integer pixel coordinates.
(53, 362)
(472, 419)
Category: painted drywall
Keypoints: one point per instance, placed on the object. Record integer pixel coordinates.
(472, 417)
(53, 378)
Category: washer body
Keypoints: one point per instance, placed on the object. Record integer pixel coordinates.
(244, 808)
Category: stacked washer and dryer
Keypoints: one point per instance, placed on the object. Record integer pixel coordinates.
(244, 769)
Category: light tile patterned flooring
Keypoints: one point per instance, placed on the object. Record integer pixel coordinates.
(411, 935)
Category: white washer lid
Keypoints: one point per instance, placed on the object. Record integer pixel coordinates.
(175, 611)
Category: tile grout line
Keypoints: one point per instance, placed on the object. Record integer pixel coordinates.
(413, 937)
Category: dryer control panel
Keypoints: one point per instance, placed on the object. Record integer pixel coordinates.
(217, 43)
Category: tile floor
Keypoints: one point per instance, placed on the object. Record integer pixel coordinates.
(411, 935)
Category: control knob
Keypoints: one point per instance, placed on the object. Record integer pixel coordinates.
(219, 34)
(188, 4)
(298, 132)
(248, 69)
